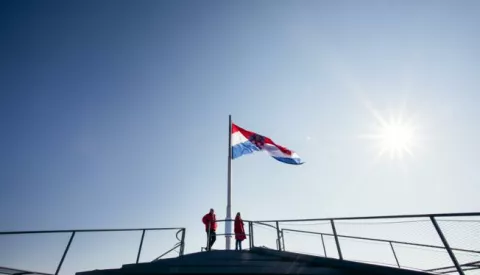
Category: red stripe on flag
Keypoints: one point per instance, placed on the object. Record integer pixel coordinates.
(242, 131)
(248, 134)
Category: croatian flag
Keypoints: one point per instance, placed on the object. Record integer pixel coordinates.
(245, 142)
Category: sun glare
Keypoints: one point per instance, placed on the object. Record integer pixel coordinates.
(394, 137)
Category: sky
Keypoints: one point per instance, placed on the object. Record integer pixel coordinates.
(114, 114)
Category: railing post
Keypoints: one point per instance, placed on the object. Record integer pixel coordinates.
(445, 243)
(394, 254)
(65, 253)
(140, 246)
(249, 235)
(283, 240)
(278, 237)
(252, 245)
(336, 239)
(182, 245)
(208, 237)
(323, 243)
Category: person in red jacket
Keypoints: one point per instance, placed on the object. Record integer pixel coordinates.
(239, 232)
(210, 222)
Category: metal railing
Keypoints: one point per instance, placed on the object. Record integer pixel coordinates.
(430, 222)
(433, 219)
(461, 253)
(249, 235)
(180, 244)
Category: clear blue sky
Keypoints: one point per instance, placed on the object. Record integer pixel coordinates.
(115, 113)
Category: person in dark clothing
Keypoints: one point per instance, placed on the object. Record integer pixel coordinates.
(210, 222)
(239, 232)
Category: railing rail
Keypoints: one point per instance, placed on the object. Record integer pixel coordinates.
(180, 244)
(379, 240)
(281, 227)
(409, 216)
(87, 230)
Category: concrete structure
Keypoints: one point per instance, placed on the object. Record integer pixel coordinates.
(254, 261)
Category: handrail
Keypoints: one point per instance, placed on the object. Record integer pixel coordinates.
(470, 264)
(181, 243)
(14, 271)
(467, 214)
(87, 230)
(159, 257)
(181, 232)
(176, 235)
(432, 218)
(378, 240)
(265, 224)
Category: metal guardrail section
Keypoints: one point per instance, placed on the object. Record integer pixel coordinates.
(455, 237)
(180, 244)
(12, 271)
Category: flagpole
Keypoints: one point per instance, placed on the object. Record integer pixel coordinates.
(228, 223)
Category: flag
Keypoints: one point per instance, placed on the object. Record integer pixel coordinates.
(245, 142)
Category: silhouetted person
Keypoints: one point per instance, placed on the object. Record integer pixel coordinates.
(239, 232)
(210, 222)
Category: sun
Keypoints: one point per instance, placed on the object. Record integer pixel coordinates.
(396, 139)
(395, 136)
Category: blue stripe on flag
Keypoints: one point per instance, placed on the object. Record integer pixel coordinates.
(243, 149)
(295, 161)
